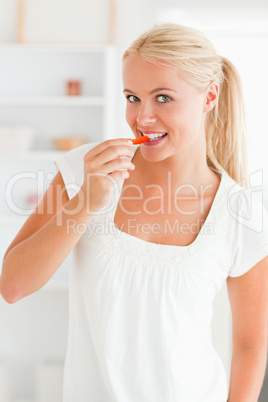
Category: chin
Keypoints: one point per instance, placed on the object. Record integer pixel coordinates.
(150, 156)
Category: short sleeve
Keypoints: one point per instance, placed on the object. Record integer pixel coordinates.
(71, 167)
(248, 232)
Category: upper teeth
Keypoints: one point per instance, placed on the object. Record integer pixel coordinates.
(154, 135)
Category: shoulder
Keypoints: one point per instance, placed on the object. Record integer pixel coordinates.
(244, 207)
(247, 230)
(73, 160)
(71, 166)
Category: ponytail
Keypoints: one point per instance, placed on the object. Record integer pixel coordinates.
(226, 128)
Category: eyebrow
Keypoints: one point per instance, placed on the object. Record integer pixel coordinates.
(152, 92)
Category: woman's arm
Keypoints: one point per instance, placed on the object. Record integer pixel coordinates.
(248, 295)
(42, 244)
(50, 233)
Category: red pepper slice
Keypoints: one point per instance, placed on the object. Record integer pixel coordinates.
(139, 140)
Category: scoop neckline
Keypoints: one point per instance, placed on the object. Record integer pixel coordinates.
(199, 237)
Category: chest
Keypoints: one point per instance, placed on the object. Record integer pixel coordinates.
(160, 216)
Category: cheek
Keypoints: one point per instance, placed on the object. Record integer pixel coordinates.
(184, 124)
(185, 118)
(174, 118)
(130, 115)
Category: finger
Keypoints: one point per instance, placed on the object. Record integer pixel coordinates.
(119, 175)
(109, 167)
(98, 149)
(117, 164)
(112, 153)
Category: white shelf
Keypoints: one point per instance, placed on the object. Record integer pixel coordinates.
(55, 47)
(68, 101)
(13, 219)
(33, 90)
(24, 400)
(30, 156)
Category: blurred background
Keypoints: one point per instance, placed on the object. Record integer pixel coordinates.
(60, 86)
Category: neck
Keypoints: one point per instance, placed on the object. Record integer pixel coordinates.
(188, 169)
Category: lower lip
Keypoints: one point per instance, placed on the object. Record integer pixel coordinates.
(155, 142)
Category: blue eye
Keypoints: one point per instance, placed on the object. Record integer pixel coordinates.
(163, 98)
(132, 98)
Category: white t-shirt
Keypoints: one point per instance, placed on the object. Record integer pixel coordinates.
(140, 312)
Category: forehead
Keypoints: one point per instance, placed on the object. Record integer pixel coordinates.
(137, 71)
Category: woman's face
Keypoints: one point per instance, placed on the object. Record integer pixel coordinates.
(160, 101)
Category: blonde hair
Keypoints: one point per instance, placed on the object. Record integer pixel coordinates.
(195, 57)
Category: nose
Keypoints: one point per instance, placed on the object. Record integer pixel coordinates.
(146, 115)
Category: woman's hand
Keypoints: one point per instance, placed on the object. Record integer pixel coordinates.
(102, 170)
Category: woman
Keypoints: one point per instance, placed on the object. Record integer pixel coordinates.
(156, 230)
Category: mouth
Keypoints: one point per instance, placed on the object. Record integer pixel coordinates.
(153, 136)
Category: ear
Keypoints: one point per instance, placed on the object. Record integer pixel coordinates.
(211, 96)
